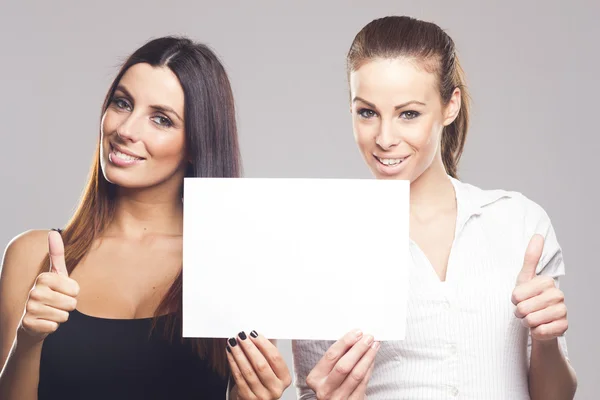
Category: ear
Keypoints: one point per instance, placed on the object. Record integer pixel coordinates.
(453, 107)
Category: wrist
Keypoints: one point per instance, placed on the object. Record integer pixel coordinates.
(545, 349)
(24, 341)
(545, 344)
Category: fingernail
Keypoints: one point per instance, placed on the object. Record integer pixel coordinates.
(242, 335)
(358, 333)
(254, 334)
(228, 349)
(369, 340)
(375, 346)
(232, 342)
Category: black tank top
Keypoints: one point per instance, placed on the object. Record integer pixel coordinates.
(97, 358)
(92, 358)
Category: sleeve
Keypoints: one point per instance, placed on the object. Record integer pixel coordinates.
(306, 354)
(551, 262)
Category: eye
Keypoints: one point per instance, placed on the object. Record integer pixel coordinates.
(121, 104)
(410, 114)
(162, 121)
(366, 113)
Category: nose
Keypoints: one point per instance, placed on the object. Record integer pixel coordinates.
(128, 130)
(388, 137)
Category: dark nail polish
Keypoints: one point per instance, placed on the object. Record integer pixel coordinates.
(254, 334)
(232, 342)
(242, 335)
(228, 349)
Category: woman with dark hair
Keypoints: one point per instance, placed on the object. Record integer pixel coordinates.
(94, 311)
(486, 318)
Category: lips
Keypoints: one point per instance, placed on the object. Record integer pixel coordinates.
(390, 166)
(390, 162)
(124, 153)
(121, 157)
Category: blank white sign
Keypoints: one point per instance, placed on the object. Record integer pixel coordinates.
(295, 258)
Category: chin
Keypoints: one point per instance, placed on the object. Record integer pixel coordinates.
(116, 180)
(124, 179)
(399, 176)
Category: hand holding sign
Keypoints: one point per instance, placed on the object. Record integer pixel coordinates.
(539, 303)
(345, 369)
(53, 295)
(259, 370)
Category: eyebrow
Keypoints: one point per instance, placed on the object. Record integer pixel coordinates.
(399, 106)
(157, 107)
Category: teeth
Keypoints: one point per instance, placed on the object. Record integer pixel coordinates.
(390, 161)
(124, 156)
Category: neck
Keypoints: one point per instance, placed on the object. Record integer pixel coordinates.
(139, 213)
(432, 190)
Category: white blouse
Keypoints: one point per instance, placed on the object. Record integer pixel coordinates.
(462, 337)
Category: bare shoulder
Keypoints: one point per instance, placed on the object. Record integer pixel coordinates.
(21, 264)
(29, 245)
(20, 267)
(24, 253)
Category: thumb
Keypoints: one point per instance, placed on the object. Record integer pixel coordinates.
(531, 259)
(56, 251)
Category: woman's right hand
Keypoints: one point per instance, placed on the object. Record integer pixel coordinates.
(345, 369)
(52, 297)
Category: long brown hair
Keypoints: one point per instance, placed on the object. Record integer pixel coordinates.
(402, 36)
(212, 145)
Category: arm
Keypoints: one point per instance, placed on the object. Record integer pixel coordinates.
(20, 360)
(551, 375)
(20, 376)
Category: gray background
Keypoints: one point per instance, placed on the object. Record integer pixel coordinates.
(532, 70)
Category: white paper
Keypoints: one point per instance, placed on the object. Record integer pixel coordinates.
(295, 258)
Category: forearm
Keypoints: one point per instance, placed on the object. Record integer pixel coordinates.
(551, 377)
(20, 376)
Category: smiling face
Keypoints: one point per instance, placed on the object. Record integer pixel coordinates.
(398, 117)
(142, 132)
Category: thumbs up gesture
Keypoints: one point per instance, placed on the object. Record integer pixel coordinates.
(53, 295)
(539, 303)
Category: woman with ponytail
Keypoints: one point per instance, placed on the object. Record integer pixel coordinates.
(486, 319)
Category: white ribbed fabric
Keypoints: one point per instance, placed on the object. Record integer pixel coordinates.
(462, 339)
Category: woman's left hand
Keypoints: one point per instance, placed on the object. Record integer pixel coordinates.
(539, 303)
(259, 370)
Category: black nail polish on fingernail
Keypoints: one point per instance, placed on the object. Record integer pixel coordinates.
(228, 349)
(254, 334)
(242, 335)
(232, 342)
